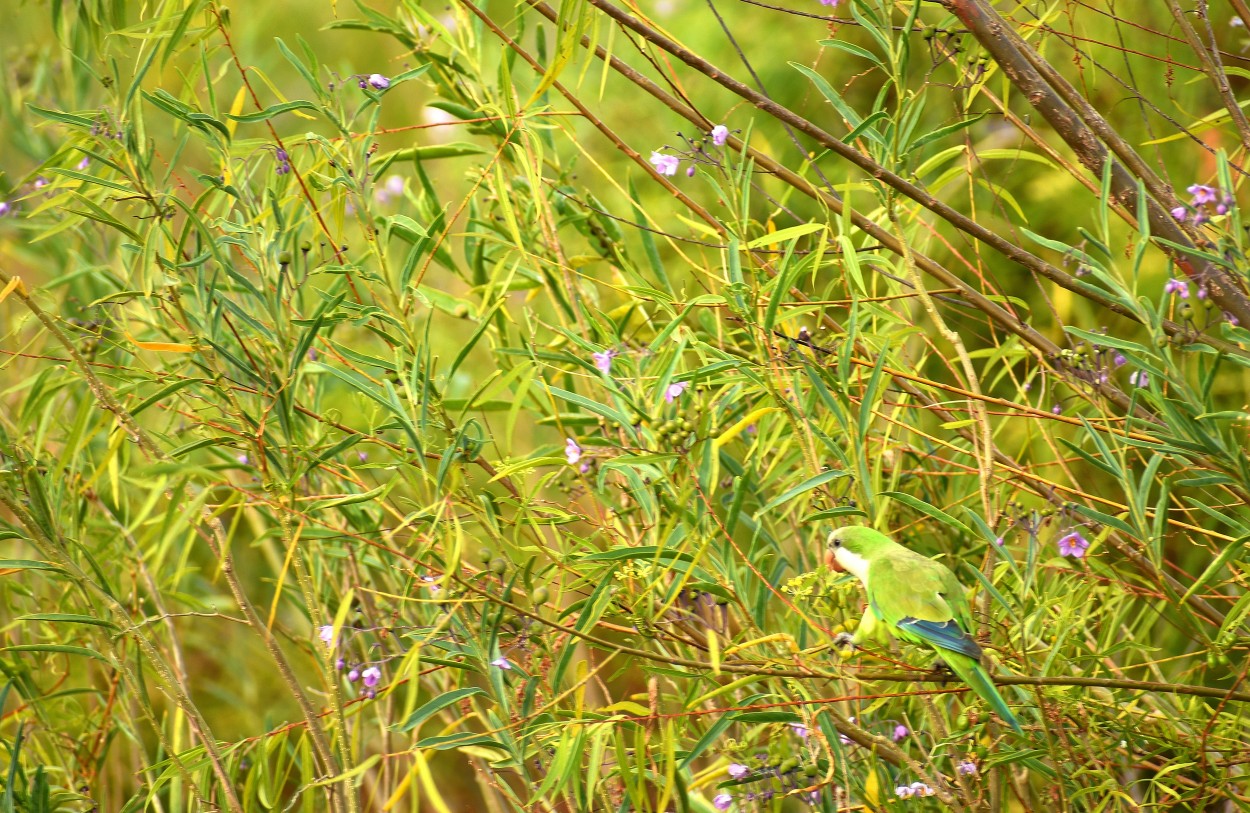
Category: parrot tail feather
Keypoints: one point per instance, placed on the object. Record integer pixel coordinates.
(979, 681)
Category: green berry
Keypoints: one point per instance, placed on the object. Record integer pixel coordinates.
(498, 566)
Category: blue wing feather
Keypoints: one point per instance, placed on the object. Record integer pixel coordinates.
(943, 634)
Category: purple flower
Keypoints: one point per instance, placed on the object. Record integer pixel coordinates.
(1073, 544)
(243, 459)
(1177, 286)
(690, 171)
(665, 164)
(432, 583)
(40, 182)
(84, 163)
(1179, 213)
(1139, 378)
(502, 663)
(1119, 360)
(603, 361)
(1232, 320)
(967, 768)
(353, 675)
(1056, 410)
(362, 456)
(900, 730)
(572, 452)
(379, 82)
(737, 770)
(722, 801)
(902, 791)
(339, 664)
(999, 542)
(675, 390)
(1202, 194)
(584, 467)
(393, 188)
(1202, 292)
(326, 633)
(720, 134)
(921, 789)
(371, 676)
(829, 2)
(5, 208)
(284, 162)
(800, 729)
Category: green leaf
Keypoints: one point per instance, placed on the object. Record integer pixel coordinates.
(434, 707)
(783, 235)
(593, 406)
(66, 618)
(929, 510)
(273, 110)
(642, 552)
(450, 741)
(807, 485)
(26, 564)
(59, 649)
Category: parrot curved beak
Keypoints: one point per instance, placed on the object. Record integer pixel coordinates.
(831, 561)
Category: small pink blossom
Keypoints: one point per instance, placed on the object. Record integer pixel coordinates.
(1177, 286)
(371, 676)
(572, 452)
(674, 390)
(665, 164)
(502, 663)
(737, 770)
(603, 361)
(720, 134)
(1073, 544)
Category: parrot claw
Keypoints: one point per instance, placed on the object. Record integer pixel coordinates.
(843, 641)
(942, 671)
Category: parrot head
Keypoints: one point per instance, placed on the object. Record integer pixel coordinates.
(853, 548)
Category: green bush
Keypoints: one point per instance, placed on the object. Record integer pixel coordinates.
(407, 407)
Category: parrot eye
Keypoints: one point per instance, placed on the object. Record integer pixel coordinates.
(837, 543)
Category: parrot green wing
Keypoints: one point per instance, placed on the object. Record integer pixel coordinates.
(923, 602)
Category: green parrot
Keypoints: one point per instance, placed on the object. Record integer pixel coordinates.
(919, 600)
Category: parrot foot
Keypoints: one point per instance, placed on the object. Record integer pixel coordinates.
(844, 641)
(941, 671)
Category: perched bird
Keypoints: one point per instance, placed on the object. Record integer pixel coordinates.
(918, 600)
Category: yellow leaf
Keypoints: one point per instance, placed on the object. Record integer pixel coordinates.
(735, 430)
(15, 283)
(161, 347)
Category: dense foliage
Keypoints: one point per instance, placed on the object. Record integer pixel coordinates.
(408, 406)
